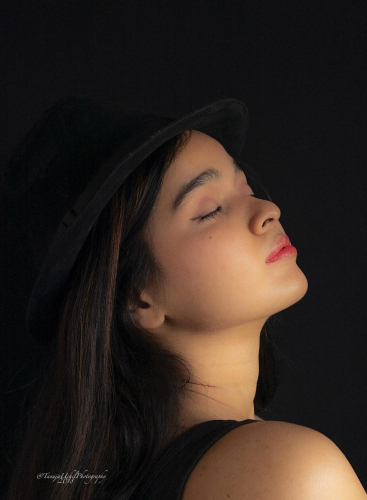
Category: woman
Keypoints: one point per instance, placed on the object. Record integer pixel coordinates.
(156, 281)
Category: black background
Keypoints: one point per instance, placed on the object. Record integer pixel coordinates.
(301, 69)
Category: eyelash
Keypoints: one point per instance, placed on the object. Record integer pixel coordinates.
(214, 214)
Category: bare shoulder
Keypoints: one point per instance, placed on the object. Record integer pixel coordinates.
(273, 460)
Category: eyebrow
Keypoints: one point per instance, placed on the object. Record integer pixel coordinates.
(200, 180)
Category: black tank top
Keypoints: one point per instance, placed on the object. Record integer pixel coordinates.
(167, 478)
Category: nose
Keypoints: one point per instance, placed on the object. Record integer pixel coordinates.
(266, 215)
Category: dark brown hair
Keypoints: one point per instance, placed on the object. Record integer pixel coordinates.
(109, 398)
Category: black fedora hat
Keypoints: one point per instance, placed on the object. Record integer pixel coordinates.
(70, 164)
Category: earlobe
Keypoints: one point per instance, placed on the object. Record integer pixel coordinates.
(148, 318)
(147, 314)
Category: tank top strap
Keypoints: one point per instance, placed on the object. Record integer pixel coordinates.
(167, 478)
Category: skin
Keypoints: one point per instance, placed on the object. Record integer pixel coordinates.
(218, 291)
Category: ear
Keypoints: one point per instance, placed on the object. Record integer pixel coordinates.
(147, 313)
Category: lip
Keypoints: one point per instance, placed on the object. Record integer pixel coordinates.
(279, 245)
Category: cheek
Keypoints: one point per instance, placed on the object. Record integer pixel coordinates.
(213, 275)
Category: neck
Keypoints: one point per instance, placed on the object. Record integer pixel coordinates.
(224, 371)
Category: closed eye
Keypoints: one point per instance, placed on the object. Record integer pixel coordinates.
(213, 214)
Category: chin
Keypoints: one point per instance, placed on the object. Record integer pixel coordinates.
(298, 291)
(303, 284)
(292, 294)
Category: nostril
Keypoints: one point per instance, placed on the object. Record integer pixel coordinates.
(266, 220)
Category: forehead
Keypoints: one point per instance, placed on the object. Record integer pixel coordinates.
(200, 151)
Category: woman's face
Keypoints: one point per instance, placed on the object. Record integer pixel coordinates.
(215, 272)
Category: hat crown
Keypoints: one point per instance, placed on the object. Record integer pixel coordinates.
(74, 131)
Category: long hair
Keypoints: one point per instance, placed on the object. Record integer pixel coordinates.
(109, 400)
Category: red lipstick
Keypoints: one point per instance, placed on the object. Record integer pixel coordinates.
(282, 249)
